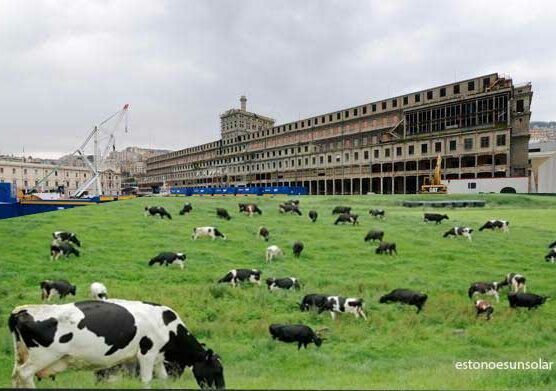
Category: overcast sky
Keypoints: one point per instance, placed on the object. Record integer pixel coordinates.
(66, 65)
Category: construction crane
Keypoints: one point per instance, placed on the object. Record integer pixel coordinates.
(433, 183)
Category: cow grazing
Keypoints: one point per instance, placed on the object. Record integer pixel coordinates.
(313, 215)
(235, 276)
(273, 252)
(61, 288)
(98, 291)
(484, 288)
(157, 210)
(374, 235)
(377, 213)
(299, 333)
(64, 236)
(459, 231)
(168, 258)
(341, 210)
(292, 202)
(223, 214)
(282, 283)
(264, 233)
(484, 307)
(527, 300)
(313, 300)
(338, 304)
(249, 209)
(551, 256)
(297, 248)
(496, 224)
(100, 334)
(62, 249)
(347, 218)
(187, 208)
(386, 248)
(515, 281)
(289, 208)
(405, 296)
(211, 232)
(436, 217)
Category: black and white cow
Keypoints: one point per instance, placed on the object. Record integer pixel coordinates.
(282, 283)
(496, 224)
(339, 304)
(436, 217)
(527, 300)
(347, 218)
(459, 231)
(289, 208)
(299, 333)
(386, 248)
(374, 235)
(211, 232)
(341, 210)
(484, 288)
(484, 307)
(64, 236)
(235, 276)
(157, 210)
(297, 249)
(551, 256)
(515, 281)
(313, 215)
(405, 296)
(98, 291)
(61, 288)
(100, 334)
(292, 202)
(62, 249)
(273, 252)
(167, 258)
(313, 300)
(223, 214)
(377, 213)
(187, 208)
(264, 233)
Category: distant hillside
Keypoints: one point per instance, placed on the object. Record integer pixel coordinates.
(542, 124)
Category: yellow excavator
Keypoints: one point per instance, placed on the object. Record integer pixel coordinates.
(433, 183)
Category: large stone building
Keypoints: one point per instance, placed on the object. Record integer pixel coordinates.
(479, 126)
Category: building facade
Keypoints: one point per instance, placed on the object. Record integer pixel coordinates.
(479, 126)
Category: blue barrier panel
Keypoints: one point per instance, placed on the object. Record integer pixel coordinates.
(251, 190)
(7, 193)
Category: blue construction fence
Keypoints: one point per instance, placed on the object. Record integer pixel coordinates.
(252, 190)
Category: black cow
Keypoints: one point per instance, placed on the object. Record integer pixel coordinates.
(168, 258)
(282, 283)
(484, 288)
(157, 210)
(62, 249)
(347, 218)
(437, 217)
(299, 333)
(374, 235)
(297, 248)
(527, 300)
(264, 233)
(241, 275)
(377, 213)
(313, 300)
(64, 236)
(386, 248)
(484, 307)
(313, 215)
(62, 288)
(341, 210)
(515, 281)
(405, 296)
(496, 224)
(551, 256)
(223, 214)
(187, 208)
(289, 208)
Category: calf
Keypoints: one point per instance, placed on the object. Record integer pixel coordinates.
(282, 283)
(347, 218)
(98, 291)
(249, 209)
(341, 210)
(459, 231)
(551, 256)
(297, 249)
(62, 249)
(484, 307)
(64, 236)
(338, 304)
(374, 235)
(377, 213)
(168, 258)
(436, 217)
(187, 208)
(273, 252)
(386, 248)
(405, 296)
(313, 215)
(223, 214)
(288, 208)
(496, 224)
(515, 281)
(299, 333)
(264, 233)
(528, 300)
(62, 288)
(211, 232)
(157, 210)
(313, 300)
(484, 288)
(242, 275)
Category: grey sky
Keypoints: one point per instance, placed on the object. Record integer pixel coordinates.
(66, 65)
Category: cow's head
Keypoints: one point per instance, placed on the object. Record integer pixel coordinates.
(180, 256)
(73, 290)
(445, 217)
(74, 239)
(269, 281)
(209, 373)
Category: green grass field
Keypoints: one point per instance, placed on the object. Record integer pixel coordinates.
(396, 348)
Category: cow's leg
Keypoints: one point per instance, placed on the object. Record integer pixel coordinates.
(299, 345)
(362, 313)
(146, 367)
(23, 374)
(333, 315)
(524, 288)
(160, 370)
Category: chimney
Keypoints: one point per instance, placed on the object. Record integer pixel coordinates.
(243, 101)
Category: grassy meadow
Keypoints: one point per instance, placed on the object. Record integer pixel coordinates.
(395, 349)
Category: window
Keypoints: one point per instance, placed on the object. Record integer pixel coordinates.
(394, 103)
(338, 116)
(443, 92)
(468, 144)
(330, 118)
(411, 150)
(472, 185)
(366, 155)
(346, 114)
(437, 146)
(387, 152)
(13, 170)
(356, 156)
(1, 170)
(377, 152)
(354, 112)
(321, 159)
(383, 105)
(316, 121)
(329, 158)
(470, 86)
(346, 157)
(456, 89)
(500, 140)
(398, 151)
(486, 82)
(373, 107)
(424, 148)
(519, 106)
(405, 100)
(417, 98)
(25, 172)
(364, 110)
(453, 145)
(429, 95)
(485, 141)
